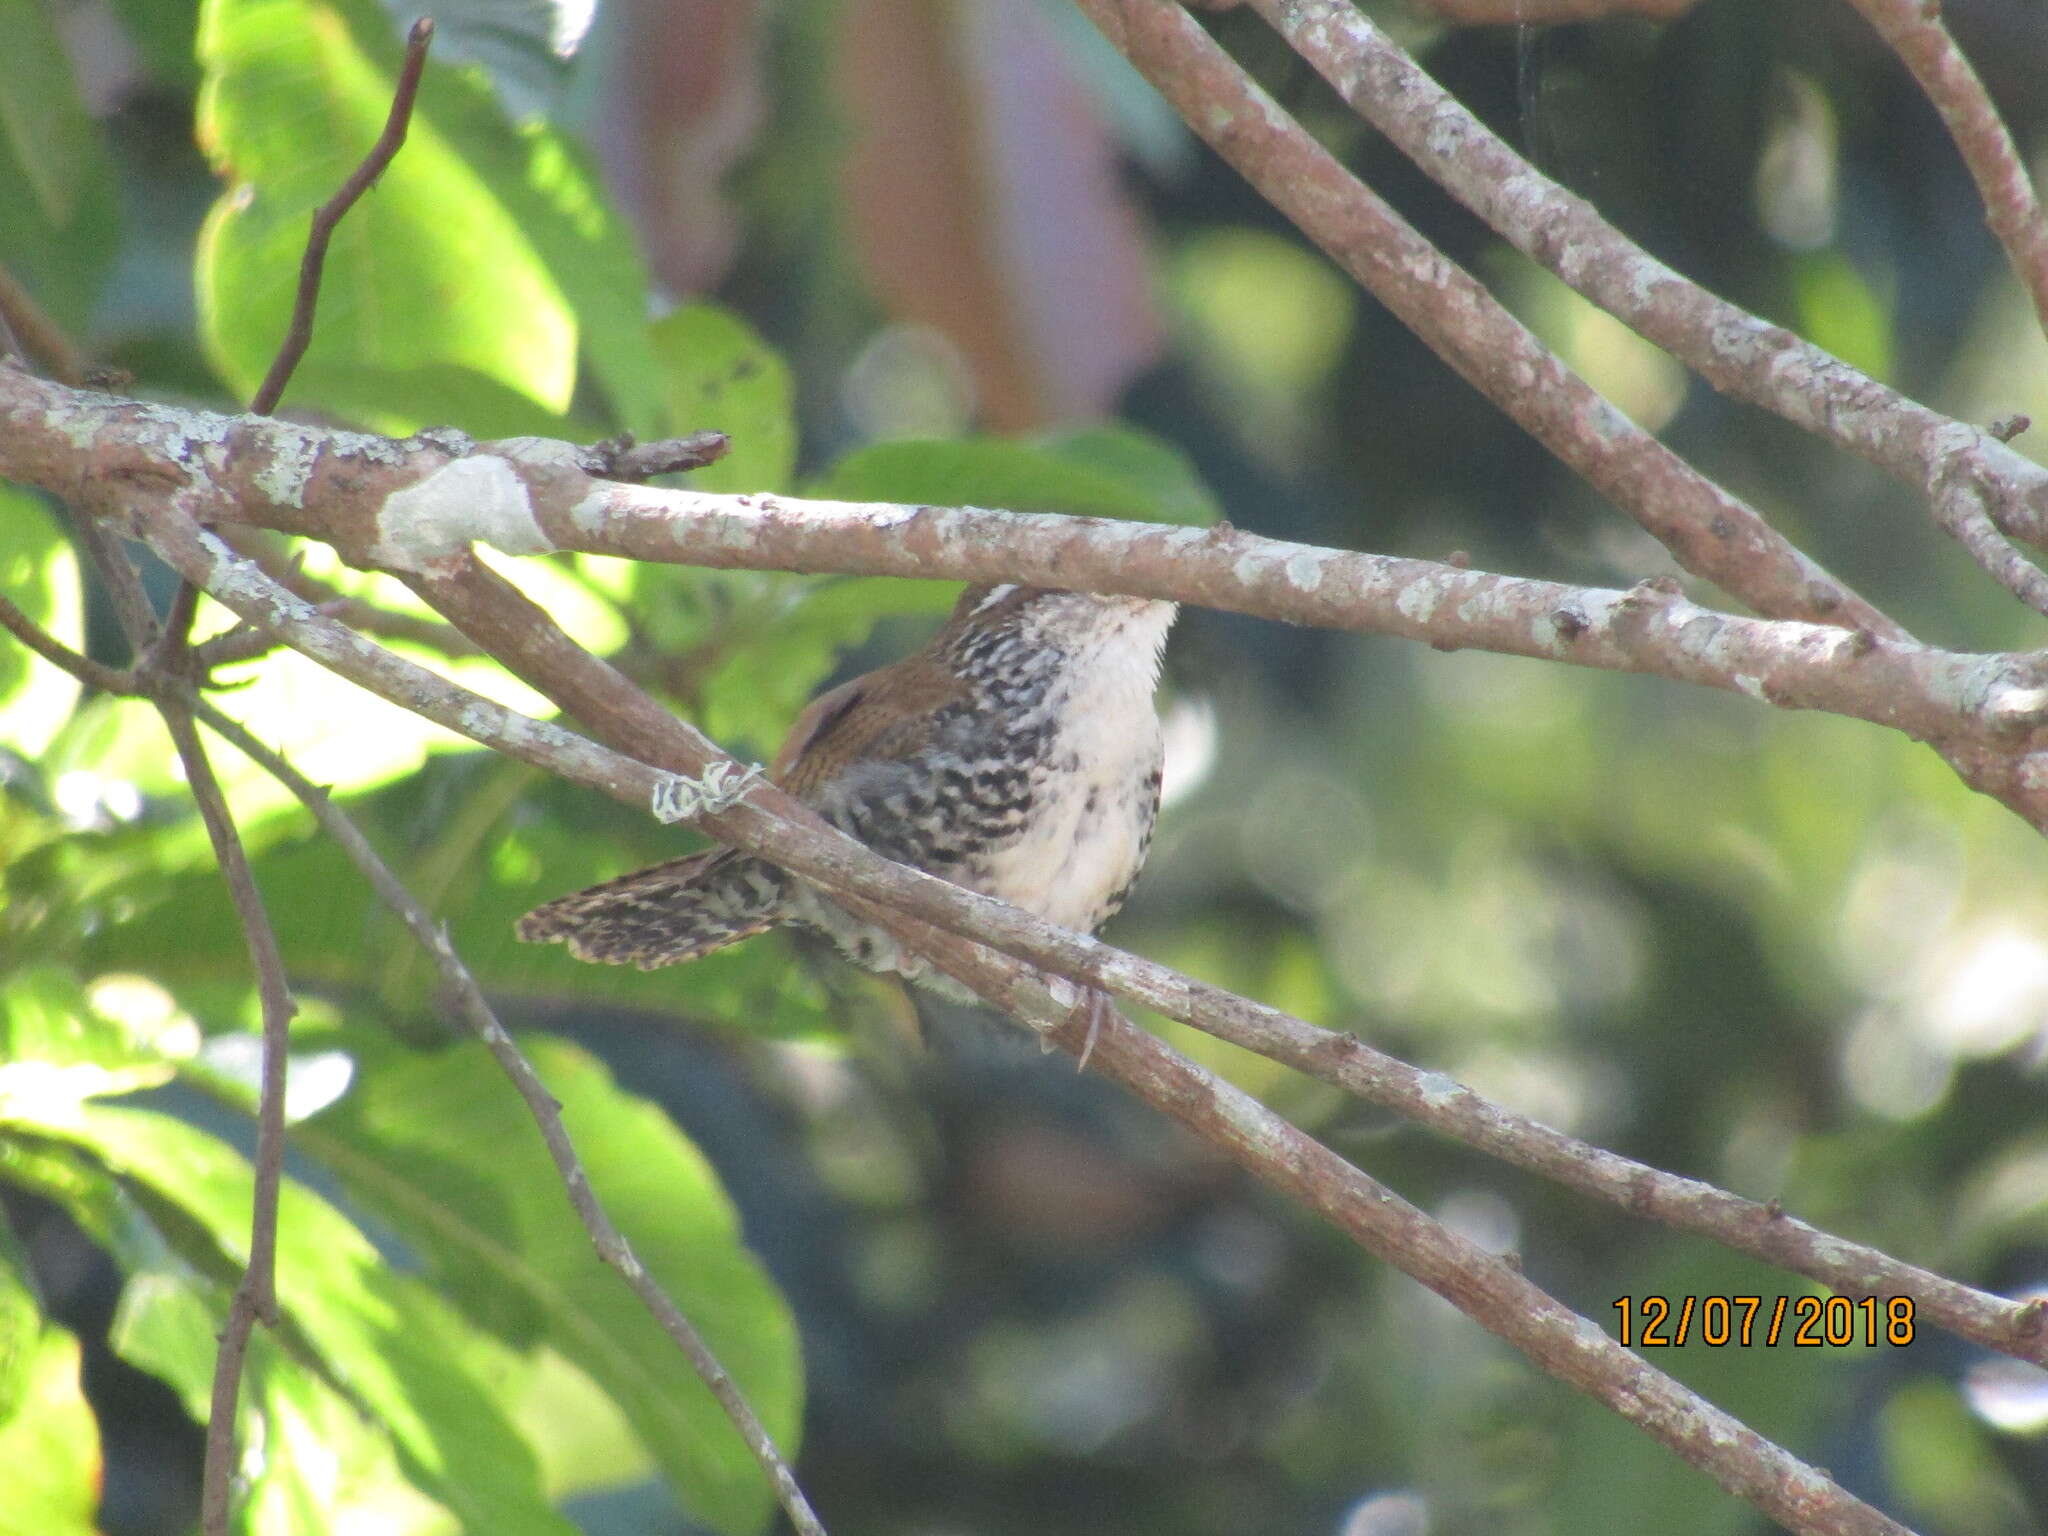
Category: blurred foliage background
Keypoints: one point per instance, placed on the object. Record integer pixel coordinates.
(957, 253)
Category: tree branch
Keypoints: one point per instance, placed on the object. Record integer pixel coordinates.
(1429, 1098)
(466, 999)
(1709, 531)
(767, 823)
(1919, 36)
(409, 507)
(256, 1295)
(1742, 356)
(357, 613)
(1486, 1287)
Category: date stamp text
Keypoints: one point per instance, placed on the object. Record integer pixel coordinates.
(1804, 1322)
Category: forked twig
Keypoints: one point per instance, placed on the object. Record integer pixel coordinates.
(163, 672)
(467, 998)
(1575, 1349)
(331, 213)
(1428, 1098)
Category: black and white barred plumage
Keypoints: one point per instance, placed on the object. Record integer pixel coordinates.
(1018, 754)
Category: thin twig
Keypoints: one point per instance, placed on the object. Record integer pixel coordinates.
(1743, 356)
(1959, 511)
(92, 673)
(1428, 1098)
(172, 652)
(166, 664)
(1488, 1288)
(461, 989)
(1709, 531)
(331, 212)
(1916, 32)
(621, 458)
(35, 336)
(117, 573)
(467, 999)
(256, 1296)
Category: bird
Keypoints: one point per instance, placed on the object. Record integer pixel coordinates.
(1018, 754)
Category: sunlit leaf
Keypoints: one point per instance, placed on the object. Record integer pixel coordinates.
(422, 1375)
(333, 732)
(39, 575)
(49, 1440)
(54, 1044)
(463, 287)
(441, 1148)
(584, 1443)
(1841, 311)
(485, 252)
(315, 1464)
(718, 375)
(1145, 462)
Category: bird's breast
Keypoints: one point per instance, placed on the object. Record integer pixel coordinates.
(1093, 797)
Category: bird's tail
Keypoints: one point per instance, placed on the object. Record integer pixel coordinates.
(667, 912)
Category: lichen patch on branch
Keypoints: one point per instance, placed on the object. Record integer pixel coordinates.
(480, 499)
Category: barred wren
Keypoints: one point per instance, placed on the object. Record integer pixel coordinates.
(1017, 754)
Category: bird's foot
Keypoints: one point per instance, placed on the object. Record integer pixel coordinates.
(1088, 1005)
(1098, 1010)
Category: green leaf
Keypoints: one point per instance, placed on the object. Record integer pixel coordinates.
(749, 648)
(407, 396)
(55, 1044)
(441, 1148)
(39, 573)
(61, 224)
(412, 1365)
(322, 1467)
(163, 32)
(1840, 310)
(49, 1441)
(461, 287)
(46, 126)
(525, 47)
(718, 375)
(553, 191)
(64, 266)
(1109, 472)
(484, 257)
(1147, 464)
